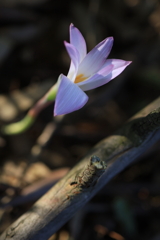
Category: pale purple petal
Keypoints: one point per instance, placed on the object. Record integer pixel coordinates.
(77, 40)
(72, 72)
(118, 66)
(96, 58)
(69, 97)
(104, 75)
(100, 78)
(75, 59)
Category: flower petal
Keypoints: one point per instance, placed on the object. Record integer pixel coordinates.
(98, 79)
(96, 58)
(75, 58)
(111, 69)
(118, 66)
(77, 40)
(69, 97)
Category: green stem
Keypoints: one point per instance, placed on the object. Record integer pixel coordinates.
(19, 127)
(29, 119)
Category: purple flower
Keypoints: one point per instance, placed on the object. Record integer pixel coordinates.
(87, 71)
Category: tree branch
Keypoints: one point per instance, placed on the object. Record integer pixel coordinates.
(58, 205)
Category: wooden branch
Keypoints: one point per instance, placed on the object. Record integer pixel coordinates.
(58, 205)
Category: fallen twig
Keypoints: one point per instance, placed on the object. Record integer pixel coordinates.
(117, 151)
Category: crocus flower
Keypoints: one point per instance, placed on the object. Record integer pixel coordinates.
(87, 71)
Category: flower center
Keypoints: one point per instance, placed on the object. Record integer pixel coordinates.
(80, 78)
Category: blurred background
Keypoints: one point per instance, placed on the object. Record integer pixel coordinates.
(32, 55)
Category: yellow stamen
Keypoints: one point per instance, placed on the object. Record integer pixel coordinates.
(80, 78)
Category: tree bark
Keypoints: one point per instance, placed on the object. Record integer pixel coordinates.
(100, 165)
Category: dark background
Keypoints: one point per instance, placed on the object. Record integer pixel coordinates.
(32, 56)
